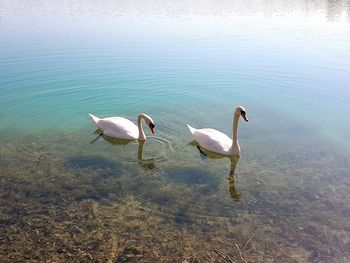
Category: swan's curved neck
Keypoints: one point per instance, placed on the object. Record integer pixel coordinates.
(235, 145)
(142, 135)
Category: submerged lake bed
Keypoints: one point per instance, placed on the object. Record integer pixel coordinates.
(69, 197)
(65, 202)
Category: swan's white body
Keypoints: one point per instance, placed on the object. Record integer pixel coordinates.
(121, 128)
(216, 141)
(212, 140)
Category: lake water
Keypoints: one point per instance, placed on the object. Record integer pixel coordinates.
(286, 199)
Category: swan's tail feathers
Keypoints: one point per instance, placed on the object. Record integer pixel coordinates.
(192, 130)
(94, 118)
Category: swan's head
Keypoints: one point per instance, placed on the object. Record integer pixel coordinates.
(240, 110)
(149, 122)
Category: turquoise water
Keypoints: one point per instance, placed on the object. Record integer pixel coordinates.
(288, 64)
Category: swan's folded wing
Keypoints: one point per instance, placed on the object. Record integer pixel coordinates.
(213, 140)
(119, 127)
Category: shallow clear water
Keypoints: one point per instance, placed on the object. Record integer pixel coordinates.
(285, 200)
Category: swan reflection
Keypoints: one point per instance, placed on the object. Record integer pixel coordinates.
(235, 195)
(144, 163)
(147, 164)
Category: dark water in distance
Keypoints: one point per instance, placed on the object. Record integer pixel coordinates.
(285, 200)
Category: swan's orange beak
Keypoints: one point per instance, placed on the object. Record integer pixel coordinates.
(244, 116)
(151, 127)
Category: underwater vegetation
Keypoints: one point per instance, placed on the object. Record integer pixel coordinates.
(63, 199)
(92, 162)
(194, 177)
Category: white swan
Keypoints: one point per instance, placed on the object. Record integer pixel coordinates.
(216, 141)
(119, 127)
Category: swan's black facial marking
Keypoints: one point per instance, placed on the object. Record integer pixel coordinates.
(151, 126)
(243, 114)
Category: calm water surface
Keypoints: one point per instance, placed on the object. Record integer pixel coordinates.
(285, 200)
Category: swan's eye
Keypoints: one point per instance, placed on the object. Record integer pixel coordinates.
(151, 126)
(243, 112)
